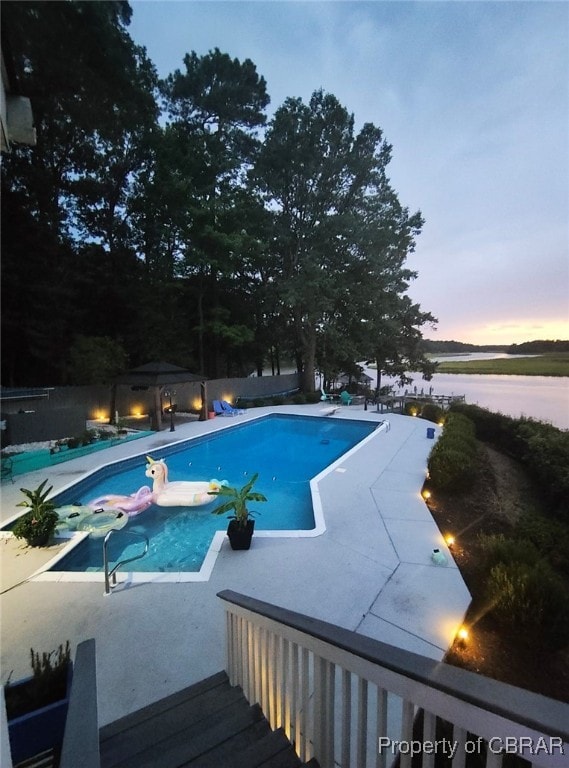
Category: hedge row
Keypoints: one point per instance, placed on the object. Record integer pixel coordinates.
(454, 459)
(542, 448)
(298, 399)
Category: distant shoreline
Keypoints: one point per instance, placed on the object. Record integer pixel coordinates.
(556, 364)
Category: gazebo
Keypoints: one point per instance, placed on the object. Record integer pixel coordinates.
(157, 376)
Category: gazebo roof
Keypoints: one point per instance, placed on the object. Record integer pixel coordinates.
(157, 374)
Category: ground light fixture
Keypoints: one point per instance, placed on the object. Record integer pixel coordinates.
(449, 538)
(462, 637)
(426, 494)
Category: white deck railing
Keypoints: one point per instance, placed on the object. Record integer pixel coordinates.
(352, 701)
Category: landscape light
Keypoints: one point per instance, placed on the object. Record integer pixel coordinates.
(462, 636)
(426, 494)
(449, 540)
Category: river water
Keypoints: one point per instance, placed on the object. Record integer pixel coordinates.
(540, 397)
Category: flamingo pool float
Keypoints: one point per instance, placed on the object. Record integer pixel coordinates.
(181, 493)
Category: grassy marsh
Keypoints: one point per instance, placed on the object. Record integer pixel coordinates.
(554, 364)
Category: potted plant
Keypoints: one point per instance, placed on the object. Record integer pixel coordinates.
(241, 525)
(37, 706)
(37, 525)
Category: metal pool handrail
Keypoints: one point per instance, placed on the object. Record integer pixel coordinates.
(113, 572)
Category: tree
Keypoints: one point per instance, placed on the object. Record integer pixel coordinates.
(338, 224)
(216, 106)
(92, 100)
(396, 341)
(96, 360)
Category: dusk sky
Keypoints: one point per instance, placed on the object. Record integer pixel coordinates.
(474, 99)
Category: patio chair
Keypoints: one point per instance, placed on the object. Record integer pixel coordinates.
(345, 397)
(230, 409)
(326, 397)
(219, 410)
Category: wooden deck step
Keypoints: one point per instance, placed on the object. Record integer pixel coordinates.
(208, 725)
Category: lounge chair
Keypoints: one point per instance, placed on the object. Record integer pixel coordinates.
(326, 397)
(219, 410)
(345, 397)
(228, 408)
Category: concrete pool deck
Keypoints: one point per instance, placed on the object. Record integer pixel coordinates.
(370, 571)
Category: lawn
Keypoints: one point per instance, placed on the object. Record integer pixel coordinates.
(554, 364)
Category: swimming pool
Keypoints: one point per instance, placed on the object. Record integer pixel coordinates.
(287, 451)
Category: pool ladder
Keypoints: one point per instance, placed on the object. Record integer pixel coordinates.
(112, 574)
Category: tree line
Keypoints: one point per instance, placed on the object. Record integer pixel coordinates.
(171, 219)
(537, 347)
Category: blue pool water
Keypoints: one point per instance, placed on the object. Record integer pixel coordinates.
(286, 451)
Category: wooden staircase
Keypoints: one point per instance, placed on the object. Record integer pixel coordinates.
(208, 725)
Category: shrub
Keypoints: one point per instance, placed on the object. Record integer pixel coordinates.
(542, 448)
(453, 460)
(412, 409)
(299, 399)
(278, 400)
(74, 442)
(432, 412)
(524, 590)
(258, 402)
(497, 549)
(312, 397)
(549, 536)
(531, 597)
(451, 469)
(88, 437)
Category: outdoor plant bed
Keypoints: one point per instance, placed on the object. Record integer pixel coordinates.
(37, 706)
(33, 460)
(502, 495)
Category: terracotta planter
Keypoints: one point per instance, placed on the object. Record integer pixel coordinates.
(240, 538)
(211, 414)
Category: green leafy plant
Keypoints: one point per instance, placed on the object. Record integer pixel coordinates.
(39, 523)
(236, 501)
